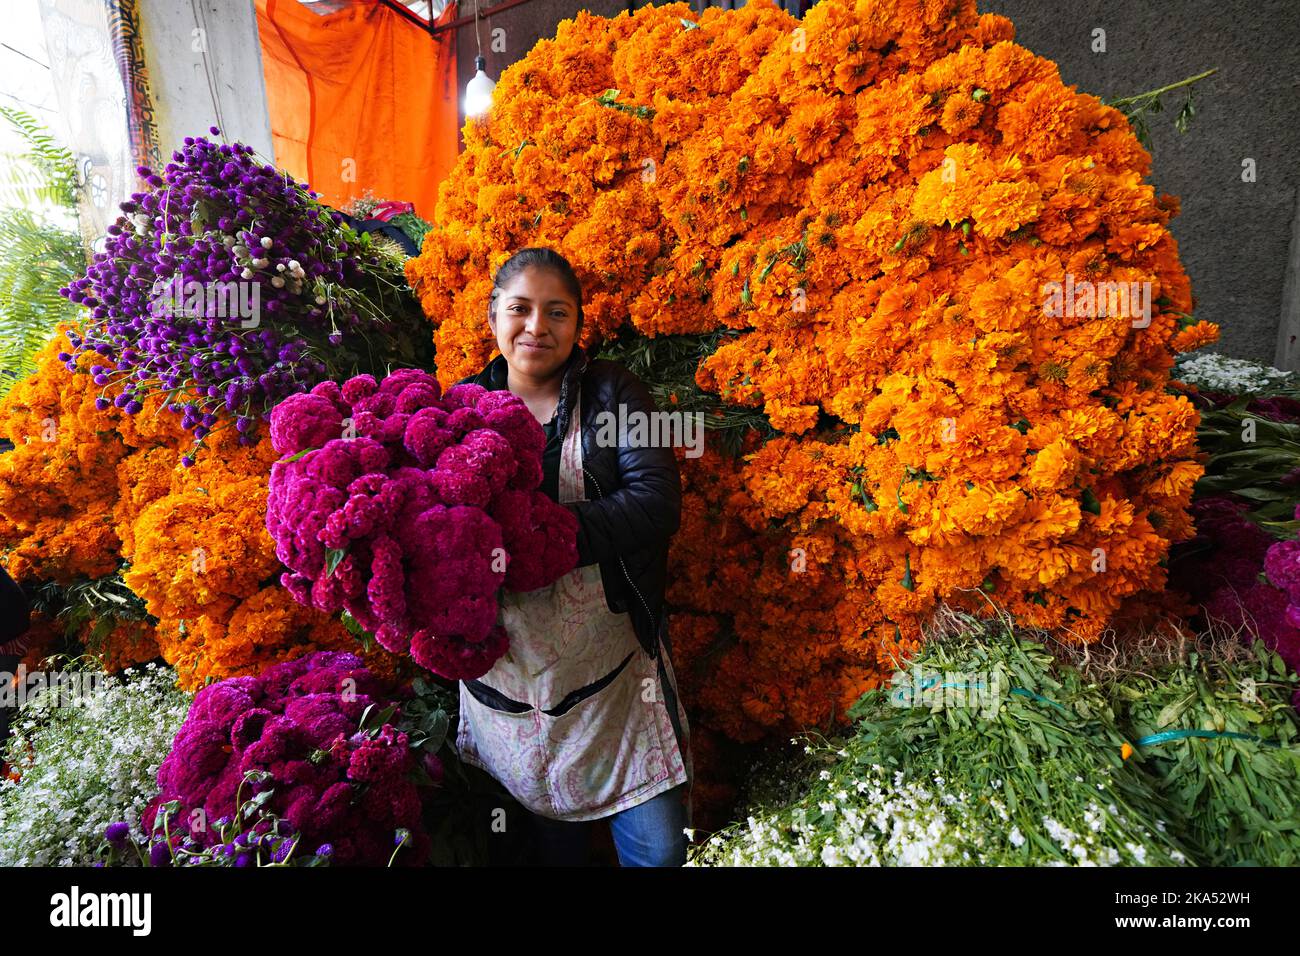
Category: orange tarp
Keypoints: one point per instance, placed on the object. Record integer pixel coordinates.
(360, 99)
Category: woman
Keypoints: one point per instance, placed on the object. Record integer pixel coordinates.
(580, 720)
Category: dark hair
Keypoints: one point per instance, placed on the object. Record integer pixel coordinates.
(537, 257)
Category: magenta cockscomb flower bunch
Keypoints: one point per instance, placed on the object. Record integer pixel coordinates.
(1282, 571)
(227, 286)
(315, 737)
(409, 509)
(1242, 576)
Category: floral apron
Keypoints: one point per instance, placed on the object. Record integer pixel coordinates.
(613, 748)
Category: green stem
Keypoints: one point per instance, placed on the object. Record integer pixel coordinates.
(399, 847)
(1128, 100)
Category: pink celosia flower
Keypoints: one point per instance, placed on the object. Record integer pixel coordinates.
(415, 517)
(298, 722)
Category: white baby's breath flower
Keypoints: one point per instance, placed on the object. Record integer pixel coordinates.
(1221, 373)
(94, 765)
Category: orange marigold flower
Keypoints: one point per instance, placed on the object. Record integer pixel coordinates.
(916, 182)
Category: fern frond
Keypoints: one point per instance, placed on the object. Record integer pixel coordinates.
(36, 260)
(54, 165)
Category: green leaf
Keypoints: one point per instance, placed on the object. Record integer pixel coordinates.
(1265, 494)
(373, 719)
(1088, 502)
(45, 173)
(1263, 764)
(297, 455)
(1171, 712)
(333, 557)
(37, 258)
(438, 731)
(1278, 665)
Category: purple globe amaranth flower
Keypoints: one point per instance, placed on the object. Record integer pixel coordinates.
(1276, 408)
(117, 833)
(160, 854)
(161, 304)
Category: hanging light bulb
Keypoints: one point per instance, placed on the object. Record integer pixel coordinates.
(478, 91)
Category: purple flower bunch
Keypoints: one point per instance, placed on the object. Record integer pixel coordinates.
(409, 509)
(296, 727)
(255, 838)
(228, 286)
(1241, 575)
(1277, 408)
(1282, 569)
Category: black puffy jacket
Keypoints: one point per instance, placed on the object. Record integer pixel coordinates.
(634, 495)
(15, 612)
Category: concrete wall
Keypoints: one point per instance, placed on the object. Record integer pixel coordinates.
(205, 69)
(1235, 238)
(1240, 242)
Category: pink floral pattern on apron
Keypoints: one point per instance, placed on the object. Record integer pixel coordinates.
(612, 750)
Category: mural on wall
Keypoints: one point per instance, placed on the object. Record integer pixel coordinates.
(102, 84)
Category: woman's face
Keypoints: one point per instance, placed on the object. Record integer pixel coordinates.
(535, 322)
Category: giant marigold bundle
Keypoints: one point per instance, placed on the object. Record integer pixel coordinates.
(58, 484)
(885, 225)
(87, 492)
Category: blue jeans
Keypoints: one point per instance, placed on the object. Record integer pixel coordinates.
(648, 834)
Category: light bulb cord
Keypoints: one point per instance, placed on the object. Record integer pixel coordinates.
(478, 40)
